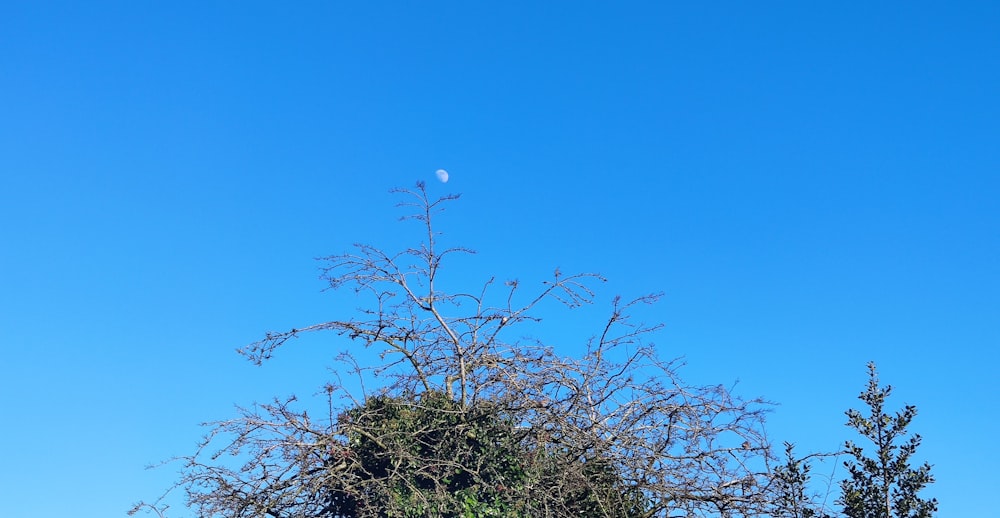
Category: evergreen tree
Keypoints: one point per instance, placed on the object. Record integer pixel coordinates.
(884, 485)
(791, 485)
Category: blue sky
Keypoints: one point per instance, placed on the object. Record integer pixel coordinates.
(811, 185)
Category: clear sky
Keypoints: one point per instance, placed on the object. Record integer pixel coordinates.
(812, 185)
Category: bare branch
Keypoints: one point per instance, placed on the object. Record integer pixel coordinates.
(614, 432)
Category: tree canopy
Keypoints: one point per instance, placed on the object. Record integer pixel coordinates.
(473, 419)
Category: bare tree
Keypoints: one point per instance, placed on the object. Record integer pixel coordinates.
(472, 419)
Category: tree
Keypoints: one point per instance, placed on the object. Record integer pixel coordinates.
(425, 455)
(884, 485)
(791, 483)
(471, 419)
(420, 455)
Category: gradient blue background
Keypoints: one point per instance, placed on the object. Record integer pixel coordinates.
(812, 185)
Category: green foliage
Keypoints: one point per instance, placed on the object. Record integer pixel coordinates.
(427, 455)
(884, 485)
(791, 482)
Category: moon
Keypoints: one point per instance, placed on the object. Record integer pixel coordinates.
(442, 175)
